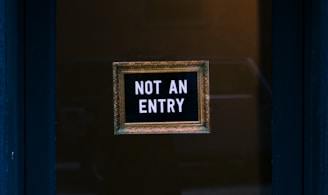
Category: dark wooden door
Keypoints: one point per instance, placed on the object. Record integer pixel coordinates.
(237, 152)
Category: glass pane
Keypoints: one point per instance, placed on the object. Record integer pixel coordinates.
(235, 158)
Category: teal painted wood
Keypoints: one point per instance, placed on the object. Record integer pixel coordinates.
(11, 97)
(14, 64)
(3, 104)
(316, 97)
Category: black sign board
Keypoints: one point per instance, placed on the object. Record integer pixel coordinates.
(161, 97)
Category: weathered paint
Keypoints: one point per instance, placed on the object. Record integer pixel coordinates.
(3, 103)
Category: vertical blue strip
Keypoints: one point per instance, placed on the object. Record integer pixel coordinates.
(316, 96)
(3, 104)
(287, 121)
(40, 46)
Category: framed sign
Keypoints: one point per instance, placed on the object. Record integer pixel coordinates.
(161, 97)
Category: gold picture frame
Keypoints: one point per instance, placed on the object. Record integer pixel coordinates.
(123, 126)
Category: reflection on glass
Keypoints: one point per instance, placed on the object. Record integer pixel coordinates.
(235, 158)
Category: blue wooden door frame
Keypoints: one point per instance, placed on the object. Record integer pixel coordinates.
(316, 97)
(12, 159)
(27, 99)
(287, 74)
(40, 47)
